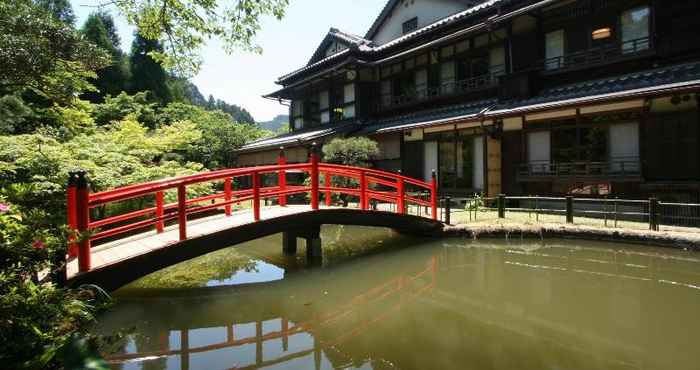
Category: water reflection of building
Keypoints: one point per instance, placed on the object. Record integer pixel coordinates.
(494, 307)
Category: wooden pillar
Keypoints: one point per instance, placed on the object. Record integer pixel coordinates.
(314, 177)
(289, 243)
(400, 196)
(327, 184)
(182, 211)
(83, 220)
(282, 177)
(258, 343)
(184, 349)
(72, 211)
(256, 195)
(493, 166)
(285, 335)
(364, 202)
(433, 196)
(160, 200)
(227, 195)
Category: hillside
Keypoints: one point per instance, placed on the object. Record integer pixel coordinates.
(278, 122)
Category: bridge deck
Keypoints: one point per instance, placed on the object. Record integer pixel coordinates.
(122, 249)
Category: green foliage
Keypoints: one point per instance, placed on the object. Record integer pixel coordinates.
(237, 113)
(147, 74)
(354, 151)
(111, 80)
(220, 137)
(117, 108)
(13, 114)
(37, 320)
(185, 25)
(60, 9)
(40, 53)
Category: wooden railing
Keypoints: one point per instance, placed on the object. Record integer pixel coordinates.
(617, 168)
(372, 185)
(423, 93)
(599, 55)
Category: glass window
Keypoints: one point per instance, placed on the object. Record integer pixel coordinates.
(463, 46)
(298, 123)
(497, 61)
(325, 117)
(410, 25)
(447, 77)
(385, 93)
(421, 83)
(349, 93)
(554, 50)
(349, 111)
(635, 30)
(323, 100)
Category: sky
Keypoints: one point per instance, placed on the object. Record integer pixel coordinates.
(242, 78)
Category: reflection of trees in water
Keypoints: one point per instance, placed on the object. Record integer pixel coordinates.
(197, 272)
(342, 242)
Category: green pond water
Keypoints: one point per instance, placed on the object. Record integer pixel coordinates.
(382, 301)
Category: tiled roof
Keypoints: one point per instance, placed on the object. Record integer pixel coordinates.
(632, 81)
(299, 137)
(645, 82)
(428, 117)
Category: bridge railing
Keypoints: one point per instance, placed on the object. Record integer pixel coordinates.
(368, 185)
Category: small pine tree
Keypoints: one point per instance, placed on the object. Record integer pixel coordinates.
(112, 79)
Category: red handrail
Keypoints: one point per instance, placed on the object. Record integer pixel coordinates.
(373, 185)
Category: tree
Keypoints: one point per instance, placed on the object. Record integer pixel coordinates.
(147, 74)
(354, 151)
(60, 9)
(44, 55)
(112, 79)
(185, 25)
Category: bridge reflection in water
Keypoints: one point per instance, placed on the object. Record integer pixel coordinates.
(451, 304)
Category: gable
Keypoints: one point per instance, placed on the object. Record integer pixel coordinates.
(390, 23)
(335, 42)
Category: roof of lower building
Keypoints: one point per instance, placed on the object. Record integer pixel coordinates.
(300, 137)
(345, 38)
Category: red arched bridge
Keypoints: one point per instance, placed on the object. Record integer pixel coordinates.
(129, 232)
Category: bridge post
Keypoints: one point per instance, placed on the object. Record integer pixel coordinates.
(160, 224)
(83, 220)
(227, 195)
(282, 177)
(433, 196)
(363, 191)
(72, 211)
(182, 211)
(327, 184)
(314, 252)
(314, 177)
(256, 195)
(400, 196)
(289, 243)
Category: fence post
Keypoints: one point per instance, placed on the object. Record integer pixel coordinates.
(569, 209)
(501, 206)
(160, 224)
(433, 196)
(314, 177)
(653, 213)
(256, 195)
(400, 196)
(182, 211)
(327, 184)
(83, 221)
(282, 177)
(363, 191)
(448, 210)
(72, 211)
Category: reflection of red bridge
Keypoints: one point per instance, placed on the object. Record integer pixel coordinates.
(187, 222)
(375, 295)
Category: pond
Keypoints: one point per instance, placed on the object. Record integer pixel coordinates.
(383, 301)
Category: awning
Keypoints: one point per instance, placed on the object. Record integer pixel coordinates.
(300, 137)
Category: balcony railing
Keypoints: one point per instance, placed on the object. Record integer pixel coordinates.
(624, 168)
(599, 55)
(445, 89)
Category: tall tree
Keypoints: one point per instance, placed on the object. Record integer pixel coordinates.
(146, 73)
(40, 53)
(60, 9)
(112, 79)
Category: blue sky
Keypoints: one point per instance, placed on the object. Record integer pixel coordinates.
(241, 78)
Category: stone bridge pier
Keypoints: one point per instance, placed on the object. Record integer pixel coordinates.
(312, 237)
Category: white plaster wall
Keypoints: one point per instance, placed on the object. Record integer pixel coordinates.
(427, 11)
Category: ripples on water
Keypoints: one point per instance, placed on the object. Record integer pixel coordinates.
(418, 304)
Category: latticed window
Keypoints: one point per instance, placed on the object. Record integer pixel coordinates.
(410, 25)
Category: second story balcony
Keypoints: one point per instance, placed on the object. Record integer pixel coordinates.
(608, 53)
(616, 169)
(445, 89)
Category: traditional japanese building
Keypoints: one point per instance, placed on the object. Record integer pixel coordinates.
(511, 96)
